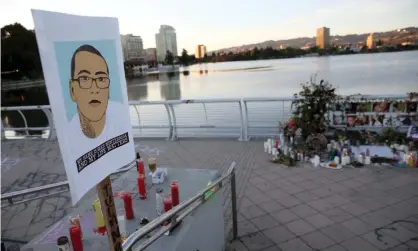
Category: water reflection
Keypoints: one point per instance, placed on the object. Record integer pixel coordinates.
(165, 86)
(170, 86)
(137, 88)
(323, 65)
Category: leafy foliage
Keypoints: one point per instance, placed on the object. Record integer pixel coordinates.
(20, 56)
(184, 58)
(392, 136)
(311, 108)
(169, 58)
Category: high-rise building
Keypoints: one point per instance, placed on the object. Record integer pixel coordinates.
(132, 47)
(151, 55)
(200, 51)
(322, 37)
(370, 41)
(123, 41)
(166, 40)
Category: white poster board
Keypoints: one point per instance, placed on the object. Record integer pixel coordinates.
(83, 69)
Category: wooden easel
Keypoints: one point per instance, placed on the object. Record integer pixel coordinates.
(104, 190)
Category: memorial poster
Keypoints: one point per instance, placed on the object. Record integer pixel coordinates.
(83, 69)
(375, 114)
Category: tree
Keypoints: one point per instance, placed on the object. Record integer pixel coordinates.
(364, 48)
(310, 111)
(379, 42)
(169, 58)
(314, 49)
(205, 58)
(184, 59)
(20, 55)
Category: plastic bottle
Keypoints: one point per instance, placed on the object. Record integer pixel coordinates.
(159, 201)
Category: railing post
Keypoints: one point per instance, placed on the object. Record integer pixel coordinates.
(52, 135)
(139, 119)
(234, 206)
(242, 137)
(3, 134)
(24, 121)
(170, 124)
(246, 120)
(206, 113)
(174, 130)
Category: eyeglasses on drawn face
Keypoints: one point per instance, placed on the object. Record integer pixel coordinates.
(86, 82)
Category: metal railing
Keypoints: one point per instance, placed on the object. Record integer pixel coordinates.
(195, 118)
(63, 185)
(175, 215)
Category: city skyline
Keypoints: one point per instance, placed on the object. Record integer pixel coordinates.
(232, 23)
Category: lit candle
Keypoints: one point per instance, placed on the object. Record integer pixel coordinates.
(75, 236)
(411, 160)
(127, 201)
(140, 164)
(141, 187)
(360, 158)
(168, 204)
(175, 195)
(337, 160)
(316, 161)
(367, 160)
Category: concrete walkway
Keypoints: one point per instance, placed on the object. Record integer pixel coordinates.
(297, 209)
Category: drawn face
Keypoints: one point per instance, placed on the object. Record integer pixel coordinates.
(381, 107)
(89, 86)
(350, 121)
(338, 120)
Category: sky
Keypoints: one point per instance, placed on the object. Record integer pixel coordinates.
(226, 23)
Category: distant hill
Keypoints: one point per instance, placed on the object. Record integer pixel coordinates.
(409, 34)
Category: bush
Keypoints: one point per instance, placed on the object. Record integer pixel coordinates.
(312, 106)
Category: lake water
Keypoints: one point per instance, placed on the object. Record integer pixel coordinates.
(383, 73)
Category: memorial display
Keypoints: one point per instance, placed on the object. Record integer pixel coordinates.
(310, 135)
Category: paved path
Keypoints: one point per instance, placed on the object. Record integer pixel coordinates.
(371, 208)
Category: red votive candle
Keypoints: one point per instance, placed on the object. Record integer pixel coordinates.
(139, 164)
(141, 187)
(141, 168)
(127, 201)
(168, 204)
(75, 236)
(175, 196)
